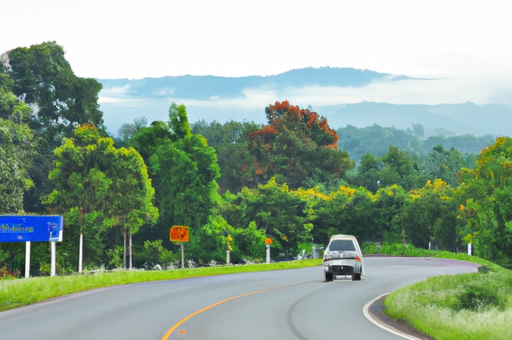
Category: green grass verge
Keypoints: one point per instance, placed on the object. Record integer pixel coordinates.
(20, 292)
(463, 306)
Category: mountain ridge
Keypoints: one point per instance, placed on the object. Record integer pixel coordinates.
(215, 98)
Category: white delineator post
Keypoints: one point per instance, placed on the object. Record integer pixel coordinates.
(268, 253)
(80, 253)
(53, 260)
(182, 256)
(27, 260)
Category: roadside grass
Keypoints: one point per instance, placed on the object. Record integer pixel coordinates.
(453, 307)
(20, 292)
(396, 249)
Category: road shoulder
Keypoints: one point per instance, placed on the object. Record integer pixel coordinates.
(374, 311)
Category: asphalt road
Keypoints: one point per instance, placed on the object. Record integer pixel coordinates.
(280, 305)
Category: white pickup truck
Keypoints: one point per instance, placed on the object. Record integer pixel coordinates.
(343, 257)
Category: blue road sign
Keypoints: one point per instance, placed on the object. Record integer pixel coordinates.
(31, 228)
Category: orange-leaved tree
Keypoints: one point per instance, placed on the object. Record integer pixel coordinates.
(297, 146)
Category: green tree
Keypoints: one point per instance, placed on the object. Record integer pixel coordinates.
(15, 153)
(389, 207)
(178, 121)
(400, 169)
(443, 164)
(184, 176)
(367, 174)
(231, 143)
(128, 130)
(99, 186)
(131, 196)
(148, 139)
(281, 214)
(432, 216)
(485, 199)
(59, 101)
(59, 98)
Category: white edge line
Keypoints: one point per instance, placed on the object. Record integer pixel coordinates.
(382, 325)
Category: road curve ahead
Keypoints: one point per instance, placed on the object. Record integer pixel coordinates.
(280, 305)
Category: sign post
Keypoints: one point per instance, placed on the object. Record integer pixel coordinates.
(32, 229)
(27, 259)
(268, 242)
(180, 234)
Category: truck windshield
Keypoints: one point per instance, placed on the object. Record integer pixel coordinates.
(345, 245)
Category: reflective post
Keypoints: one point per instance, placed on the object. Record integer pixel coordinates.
(53, 260)
(27, 260)
(182, 256)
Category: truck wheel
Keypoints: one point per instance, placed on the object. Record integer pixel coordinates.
(356, 277)
(327, 277)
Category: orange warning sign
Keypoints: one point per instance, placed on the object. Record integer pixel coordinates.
(179, 233)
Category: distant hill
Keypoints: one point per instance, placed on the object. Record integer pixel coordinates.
(459, 119)
(377, 140)
(206, 87)
(245, 98)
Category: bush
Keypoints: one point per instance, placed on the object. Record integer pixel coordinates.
(5, 274)
(395, 249)
(479, 297)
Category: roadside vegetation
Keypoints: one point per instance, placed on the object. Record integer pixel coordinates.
(453, 307)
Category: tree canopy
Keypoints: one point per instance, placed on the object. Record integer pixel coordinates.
(295, 146)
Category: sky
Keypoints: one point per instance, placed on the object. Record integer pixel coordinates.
(464, 46)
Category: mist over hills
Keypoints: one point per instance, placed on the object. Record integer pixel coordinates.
(244, 99)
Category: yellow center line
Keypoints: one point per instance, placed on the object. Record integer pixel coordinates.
(169, 332)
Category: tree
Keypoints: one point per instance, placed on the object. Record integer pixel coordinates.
(178, 121)
(279, 213)
(400, 169)
(127, 130)
(443, 164)
(389, 207)
(295, 146)
(97, 182)
(231, 143)
(59, 102)
(131, 196)
(183, 169)
(368, 175)
(15, 153)
(60, 99)
(432, 216)
(184, 175)
(485, 200)
(148, 139)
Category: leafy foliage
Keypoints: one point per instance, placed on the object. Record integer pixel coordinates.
(98, 187)
(296, 145)
(231, 143)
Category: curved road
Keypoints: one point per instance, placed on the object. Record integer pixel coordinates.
(280, 305)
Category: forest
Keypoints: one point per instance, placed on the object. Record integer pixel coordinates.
(294, 180)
